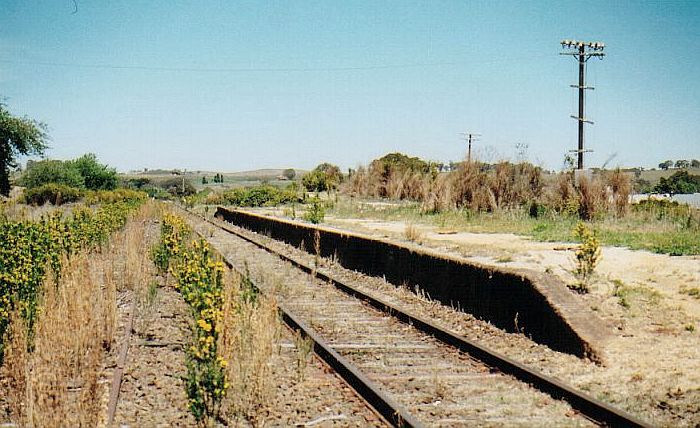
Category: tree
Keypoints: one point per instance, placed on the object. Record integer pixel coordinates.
(204, 180)
(695, 163)
(679, 183)
(399, 162)
(95, 175)
(82, 173)
(178, 186)
(666, 164)
(18, 136)
(289, 173)
(49, 171)
(682, 163)
(324, 177)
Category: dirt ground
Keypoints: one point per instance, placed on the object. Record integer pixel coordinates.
(651, 300)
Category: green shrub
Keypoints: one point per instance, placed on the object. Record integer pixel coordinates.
(315, 212)
(679, 182)
(259, 196)
(84, 172)
(111, 196)
(96, 176)
(178, 186)
(56, 194)
(41, 173)
(587, 257)
(324, 177)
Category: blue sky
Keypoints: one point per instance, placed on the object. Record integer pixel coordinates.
(237, 85)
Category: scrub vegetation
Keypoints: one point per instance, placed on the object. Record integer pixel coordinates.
(518, 198)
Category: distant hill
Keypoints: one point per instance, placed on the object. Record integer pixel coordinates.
(265, 174)
(261, 174)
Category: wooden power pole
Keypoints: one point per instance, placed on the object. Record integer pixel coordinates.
(469, 136)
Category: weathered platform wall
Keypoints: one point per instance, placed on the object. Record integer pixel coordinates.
(514, 300)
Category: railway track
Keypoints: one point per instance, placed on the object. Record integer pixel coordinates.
(413, 372)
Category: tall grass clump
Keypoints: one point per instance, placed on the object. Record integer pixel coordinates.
(472, 185)
(251, 327)
(620, 185)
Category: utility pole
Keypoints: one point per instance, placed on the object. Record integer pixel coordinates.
(582, 52)
(469, 136)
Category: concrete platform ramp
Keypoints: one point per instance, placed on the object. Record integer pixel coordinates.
(516, 300)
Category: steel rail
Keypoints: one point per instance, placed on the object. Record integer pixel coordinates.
(384, 405)
(596, 410)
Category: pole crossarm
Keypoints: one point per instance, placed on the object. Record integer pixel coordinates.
(581, 119)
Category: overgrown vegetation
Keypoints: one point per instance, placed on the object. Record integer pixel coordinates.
(28, 249)
(655, 225)
(264, 195)
(316, 211)
(519, 198)
(54, 374)
(234, 328)
(53, 193)
(199, 278)
(251, 327)
(586, 257)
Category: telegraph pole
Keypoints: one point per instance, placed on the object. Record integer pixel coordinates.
(582, 52)
(469, 136)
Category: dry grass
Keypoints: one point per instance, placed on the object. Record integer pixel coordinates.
(593, 198)
(251, 328)
(15, 367)
(501, 186)
(440, 196)
(56, 384)
(413, 233)
(12, 210)
(473, 185)
(620, 185)
(561, 194)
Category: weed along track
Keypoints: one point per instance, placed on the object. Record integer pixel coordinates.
(429, 376)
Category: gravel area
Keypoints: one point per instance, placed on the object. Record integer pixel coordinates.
(152, 389)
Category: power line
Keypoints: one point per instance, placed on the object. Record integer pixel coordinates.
(230, 70)
(580, 53)
(248, 69)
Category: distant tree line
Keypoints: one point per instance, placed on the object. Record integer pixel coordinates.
(680, 163)
(681, 182)
(163, 188)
